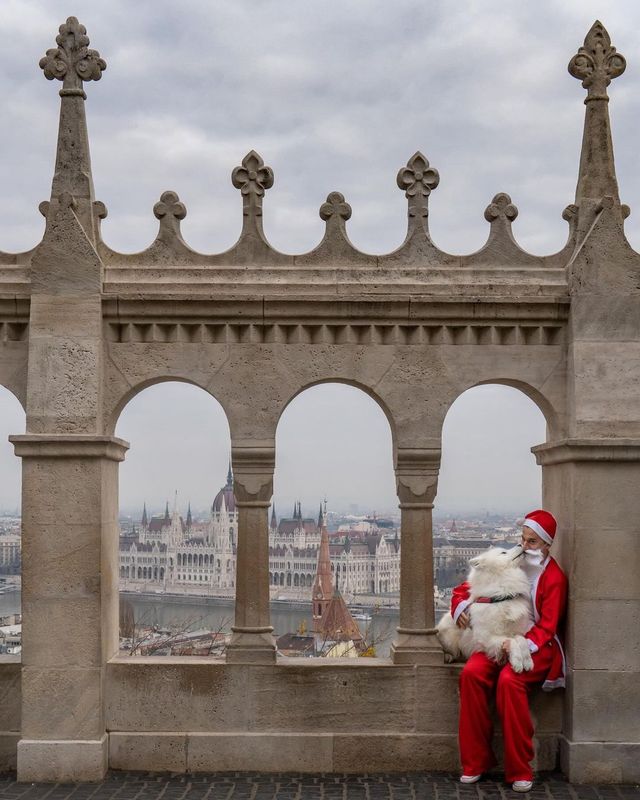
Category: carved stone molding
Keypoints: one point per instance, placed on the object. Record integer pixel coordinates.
(337, 334)
(417, 476)
(253, 467)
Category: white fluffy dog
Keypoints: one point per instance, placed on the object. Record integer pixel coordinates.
(500, 609)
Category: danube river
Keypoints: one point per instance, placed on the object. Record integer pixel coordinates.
(217, 614)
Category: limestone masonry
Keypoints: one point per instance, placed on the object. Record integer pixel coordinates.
(85, 328)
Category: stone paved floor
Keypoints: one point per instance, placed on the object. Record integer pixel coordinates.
(256, 786)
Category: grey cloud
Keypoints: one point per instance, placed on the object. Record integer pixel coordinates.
(335, 96)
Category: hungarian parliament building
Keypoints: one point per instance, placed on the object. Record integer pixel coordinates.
(168, 553)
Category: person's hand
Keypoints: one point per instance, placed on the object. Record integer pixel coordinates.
(464, 620)
(506, 647)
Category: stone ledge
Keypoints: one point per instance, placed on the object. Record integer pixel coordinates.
(300, 752)
(34, 445)
(572, 450)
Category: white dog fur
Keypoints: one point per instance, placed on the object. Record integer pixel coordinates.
(495, 573)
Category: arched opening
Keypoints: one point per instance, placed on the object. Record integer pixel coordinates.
(170, 515)
(334, 443)
(12, 421)
(488, 478)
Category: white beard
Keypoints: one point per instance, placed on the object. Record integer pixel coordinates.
(532, 565)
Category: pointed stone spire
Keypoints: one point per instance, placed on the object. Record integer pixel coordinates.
(274, 520)
(295, 510)
(145, 521)
(72, 62)
(167, 517)
(320, 518)
(189, 517)
(596, 64)
(230, 475)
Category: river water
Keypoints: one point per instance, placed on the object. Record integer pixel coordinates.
(217, 614)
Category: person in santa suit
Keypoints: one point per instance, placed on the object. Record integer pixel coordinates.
(481, 677)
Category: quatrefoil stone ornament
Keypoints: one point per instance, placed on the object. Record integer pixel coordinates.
(597, 63)
(252, 177)
(501, 207)
(335, 205)
(418, 179)
(72, 61)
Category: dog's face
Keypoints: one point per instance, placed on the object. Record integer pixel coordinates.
(498, 561)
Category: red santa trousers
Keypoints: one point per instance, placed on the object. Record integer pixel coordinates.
(478, 681)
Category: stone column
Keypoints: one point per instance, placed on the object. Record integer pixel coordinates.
(69, 601)
(417, 483)
(252, 641)
(592, 485)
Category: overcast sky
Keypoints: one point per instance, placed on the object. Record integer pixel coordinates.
(334, 96)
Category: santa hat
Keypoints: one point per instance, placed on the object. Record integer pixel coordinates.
(543, 523)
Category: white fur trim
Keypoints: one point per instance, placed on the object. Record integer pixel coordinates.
(548, 686)
(533, 647)
(537, 528)
(462, 605)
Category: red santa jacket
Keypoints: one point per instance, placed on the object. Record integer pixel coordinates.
(549, 596)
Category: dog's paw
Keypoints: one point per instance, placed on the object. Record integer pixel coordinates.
(515, 658)
(527, 661)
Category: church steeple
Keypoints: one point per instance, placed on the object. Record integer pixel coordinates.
(189, 517)
(323, 584)
(144, 522)
(274, 521)
(167, 516)
(230, 475)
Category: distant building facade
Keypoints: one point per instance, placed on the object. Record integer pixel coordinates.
(169, 553)
(10, 553)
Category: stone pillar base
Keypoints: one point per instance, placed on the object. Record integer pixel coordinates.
(62, 761)
(600, 762)
(251, 646)
(416, 647)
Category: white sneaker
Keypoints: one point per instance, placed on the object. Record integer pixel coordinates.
(522, 786)
(470, 778)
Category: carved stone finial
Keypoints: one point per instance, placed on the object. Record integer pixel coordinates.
(72, 61)
(169, 205)
(169, 210)
(501, 207)
(335, 206)
(418, 179)
(253, 179)
(597, 63)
